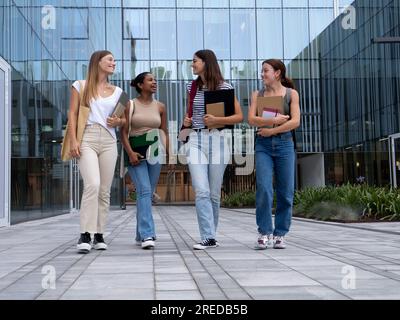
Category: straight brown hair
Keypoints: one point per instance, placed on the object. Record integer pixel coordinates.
(277, 64)
(212, 74)
(92, 77)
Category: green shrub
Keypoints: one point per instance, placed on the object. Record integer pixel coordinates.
(345, 203)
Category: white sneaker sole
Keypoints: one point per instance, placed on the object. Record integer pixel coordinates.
(100, 246)
(200, 247)
(258, 246)
(148, 245)
(83, 247)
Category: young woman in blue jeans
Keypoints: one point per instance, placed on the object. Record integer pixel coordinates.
(148, 116)
(275, 156)
(208, 152)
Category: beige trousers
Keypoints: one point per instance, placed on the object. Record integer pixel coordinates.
(97, 165)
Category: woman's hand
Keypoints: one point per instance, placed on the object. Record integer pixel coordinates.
(187, 122)
(265, 132)
(210, 120)
(75, 149)
(134, 158)
(114, 122)
(280, 119)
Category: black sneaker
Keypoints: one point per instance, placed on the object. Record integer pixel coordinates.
(98, 242)
(84, 243)
(207, 243)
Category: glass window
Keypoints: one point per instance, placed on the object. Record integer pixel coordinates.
(136, 3)
(190, 35)
(216, 3)
(321, 3)
(189, 3)
(242, 3)
(162, 3)
(75, 23)
(269, 3)
(164, 70)
(111, 3)
(216, 32)
(319, 20)
(295, 27)
(133, 68)
(163, 34)
(243, 34)
(295, 3)
(114, 44)
(269, 33)
(136, 24)
(136, 50)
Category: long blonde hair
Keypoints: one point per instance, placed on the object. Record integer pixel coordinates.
(92, 77)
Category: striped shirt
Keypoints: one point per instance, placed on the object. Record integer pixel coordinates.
(198, 104)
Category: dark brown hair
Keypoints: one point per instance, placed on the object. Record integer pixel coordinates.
(212, 73)
(277, 64)
(139, 80)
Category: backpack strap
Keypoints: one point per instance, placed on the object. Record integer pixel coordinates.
(131, 112)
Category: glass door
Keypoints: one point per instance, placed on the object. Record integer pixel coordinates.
(395, 160)
(5, 142)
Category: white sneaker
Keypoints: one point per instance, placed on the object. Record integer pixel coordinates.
(263, 241)
(279, 243)
(148, 243)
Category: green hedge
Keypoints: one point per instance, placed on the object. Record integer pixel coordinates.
(347, 202)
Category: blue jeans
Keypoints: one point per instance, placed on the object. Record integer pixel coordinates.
(208, 154)
(145, 177)
(275, 155)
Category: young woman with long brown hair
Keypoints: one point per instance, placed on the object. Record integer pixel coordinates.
(275, 155)
(208, 152)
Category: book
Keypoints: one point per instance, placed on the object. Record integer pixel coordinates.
(216, 109)
(269, 107)
(227, 97)
(119, 108)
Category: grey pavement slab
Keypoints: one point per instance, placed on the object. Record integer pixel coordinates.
(322, 260)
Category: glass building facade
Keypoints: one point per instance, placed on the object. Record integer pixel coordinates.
(355, 88)
(48, 43)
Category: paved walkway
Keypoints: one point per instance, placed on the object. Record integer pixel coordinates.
(319, 263)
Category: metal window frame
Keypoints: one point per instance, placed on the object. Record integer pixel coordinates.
(6, 150)
(392, 151)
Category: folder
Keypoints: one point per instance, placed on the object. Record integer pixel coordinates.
(269, 107)
(216, 109)
(226, 97)
(119, 108)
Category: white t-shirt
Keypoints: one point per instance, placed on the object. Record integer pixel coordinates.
(101, 108)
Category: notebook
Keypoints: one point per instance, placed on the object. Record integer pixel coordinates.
(119, 108)
(215, 98)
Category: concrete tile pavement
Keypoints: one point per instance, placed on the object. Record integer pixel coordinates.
(322, 261)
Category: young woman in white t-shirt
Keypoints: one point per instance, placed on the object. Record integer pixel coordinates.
(97, 153)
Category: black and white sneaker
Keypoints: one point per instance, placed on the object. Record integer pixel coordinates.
(84, 244)
(148, 243)
(207, 243)
(98, 242)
